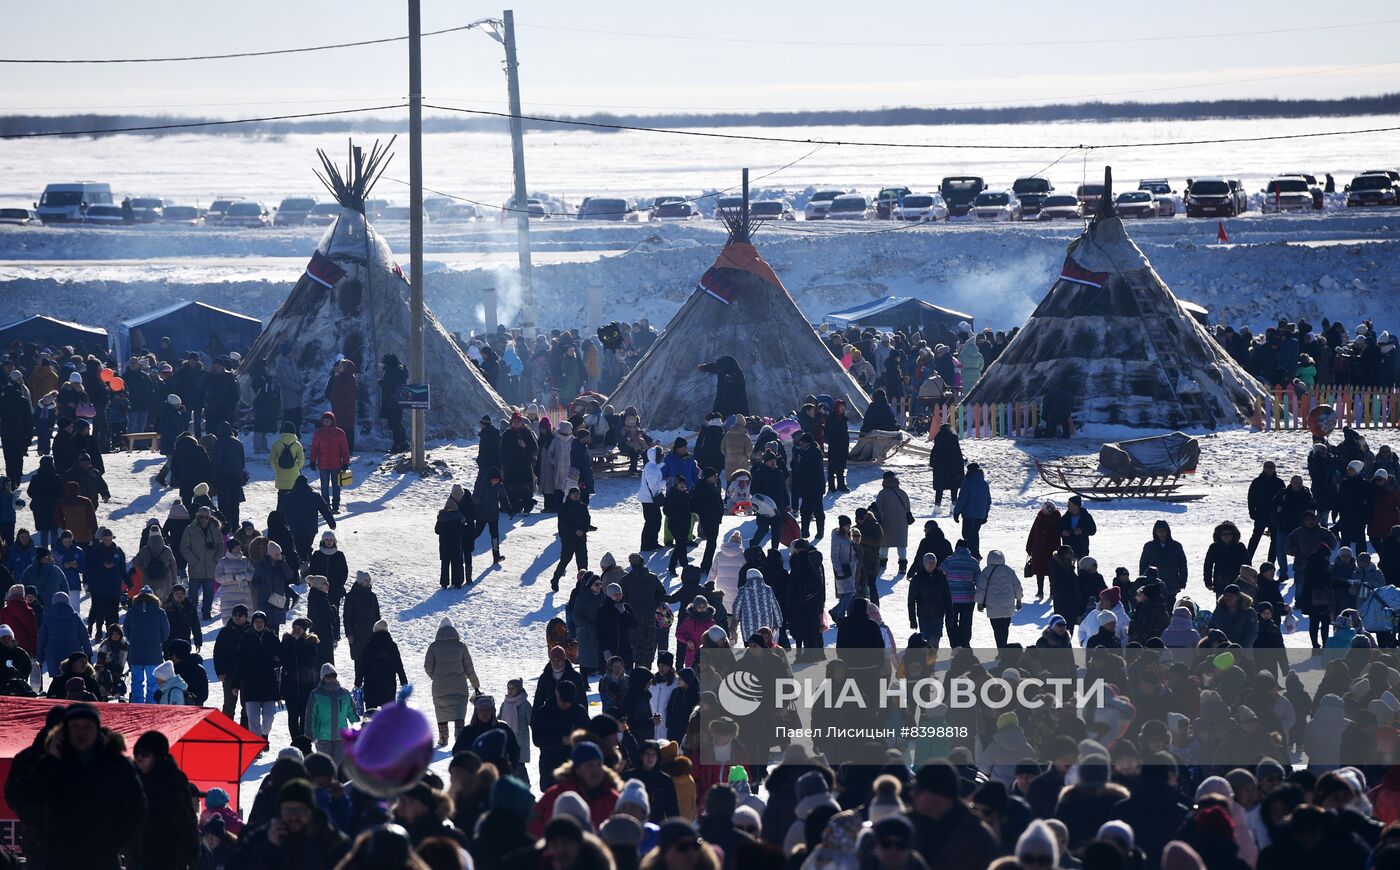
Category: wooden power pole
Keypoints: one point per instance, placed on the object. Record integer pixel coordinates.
(415, 224)
(521, 200)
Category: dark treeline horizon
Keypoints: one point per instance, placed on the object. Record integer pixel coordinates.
(1186, 110)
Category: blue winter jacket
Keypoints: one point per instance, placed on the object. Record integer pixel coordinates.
(975, 497)
(147, 629)
(61, 557)
(62, 634)
(20, 558)
(678, 466)
(49, 580)
(104, 582)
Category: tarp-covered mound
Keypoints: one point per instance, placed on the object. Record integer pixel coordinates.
(739, 309)
(354, 300)
(1155, 456)
(1111, 335)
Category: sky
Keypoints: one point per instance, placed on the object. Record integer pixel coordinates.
(642, 57)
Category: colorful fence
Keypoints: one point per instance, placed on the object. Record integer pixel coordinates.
(1010, 420)
(1359, 407)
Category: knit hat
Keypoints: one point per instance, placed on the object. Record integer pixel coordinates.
(173, 400)
(154, 743)
(1111, 597)
(1356, 465)
(613, 589)
(316, 581)
(715, 634)
(491, 746)
(320, 764)
(293, 753)
(164, 671)
(1088, 563)
(1118, 832)
(328, 670)
(296, 791)
(570, 804)
(940, 778)
(381, 625)
(201, 489)
(1038, 840)
(274, 548)
(215, 798)
(16, 591)
(753, 574)
(608, 561)
(674, 830)
(1008, 720)
(635, 793)
(620, 830)
(585, 751)
(512, 796)
(82, 711)
(811, 784)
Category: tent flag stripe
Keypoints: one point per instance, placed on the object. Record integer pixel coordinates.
(324, 271)
(1077, 274)
(718, 285)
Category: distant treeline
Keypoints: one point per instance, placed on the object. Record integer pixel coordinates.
(1186, 110)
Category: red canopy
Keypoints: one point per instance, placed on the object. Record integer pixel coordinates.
(210, 748)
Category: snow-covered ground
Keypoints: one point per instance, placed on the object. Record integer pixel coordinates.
(387, 529)
(1337, 264)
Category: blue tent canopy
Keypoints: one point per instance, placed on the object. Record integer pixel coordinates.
(902, 313)
(191, 326)
(48, 331)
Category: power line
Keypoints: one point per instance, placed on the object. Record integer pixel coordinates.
(1077, 40)
(146, 128)
(749, 137)
(239, 54)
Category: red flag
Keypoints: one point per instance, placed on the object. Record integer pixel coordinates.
(323, 271)
(1220, 234)
(1076, 273)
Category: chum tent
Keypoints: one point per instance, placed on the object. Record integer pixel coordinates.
(1111, 342)
(740, 313)
(209, 747)
(353, 300)
(48, 331)
(904, 313)
(191, 326)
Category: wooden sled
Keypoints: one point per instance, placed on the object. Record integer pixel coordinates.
(1089, 483)
(611, 462)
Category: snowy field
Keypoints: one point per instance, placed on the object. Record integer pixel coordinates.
(387, 529)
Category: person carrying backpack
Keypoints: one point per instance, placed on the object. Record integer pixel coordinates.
(287, 458)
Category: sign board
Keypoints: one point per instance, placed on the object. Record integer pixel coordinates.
(415, 397)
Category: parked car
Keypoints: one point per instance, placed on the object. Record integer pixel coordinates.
(104, 215)
(1161, 191)
(959, 191)
(887, 200)
(67, 203)
(658, 201)
(146, 209)
(536, 208)
(996, 205)
(1288, 193)
(218, 208)
(600, 208)
(1392, 174)
(676, 211)
(246, 213)
(850, 207)
(459, 212)
(1059, 205)
(181, 215)
(728, 205)
(433, 205)
(771, 210)
(1135, 204)
(1032, 192)
(1314, 189)
(399, 214)
(294, 210)
(817, 207)
(323, 214)
(1211, 197)
(1089, 196)
(1370, 190)
(18, 216)
(922, 207)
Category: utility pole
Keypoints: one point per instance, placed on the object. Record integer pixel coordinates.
(744, 209)
(522, 202)
(415, 223)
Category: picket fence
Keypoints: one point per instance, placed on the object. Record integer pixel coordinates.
(1359, 407)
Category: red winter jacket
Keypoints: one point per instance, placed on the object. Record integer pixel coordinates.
(600, 805)
(19, 616)
(330, 450)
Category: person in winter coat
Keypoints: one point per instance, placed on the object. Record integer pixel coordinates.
(575, 523)
(16, 424)
(961, 569)
(1353, 505)
(91, 484)
(189, 466)
(1064, 586)
(756, 606)
(453, 542)
(61, 633)
(846, 561)
(651, 495)
(286, 457)
(972, 363)
(769, 480)
(258, 659)
(46, 577)
(76, 513)
(448, 664)
(330, 455)
(329, 711)
(147, 629)
(930, 600)
(300, 506)
(643, 592)
(809, 484)
(972, 507)
(1385, 507)
(183, 617)
(202, 546)
(1165, 554)
(234, 574)
(300, 671)
(698, 619)
(896, 516)
(1041, 544)
(378, 667)
(342, 391)
(271, 581)
(328, 561)
(44, 490)
(1234, 616)
(677, 512)
(837, 434)
(615, 622)
(20, 617)
(171, 689)
(999, 595)
(156, 562)
(946, 463)
(737, 447)
(1224, 556)
(519, 452)
(1076, 527)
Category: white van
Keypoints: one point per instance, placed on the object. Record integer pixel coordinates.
(65, 203)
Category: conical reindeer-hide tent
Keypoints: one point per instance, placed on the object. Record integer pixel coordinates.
(738, 313)
(1111, 341)
(353, 301)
